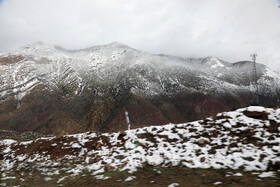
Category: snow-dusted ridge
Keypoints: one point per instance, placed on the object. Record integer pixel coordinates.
(147, 74)
(247, 138)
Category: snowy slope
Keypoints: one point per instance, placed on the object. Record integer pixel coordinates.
(55, 68)
(247, 138)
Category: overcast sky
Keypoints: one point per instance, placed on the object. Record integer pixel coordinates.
(228, 29)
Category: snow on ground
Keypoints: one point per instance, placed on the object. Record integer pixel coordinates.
(173, 185)
(246, 139)
(237, 175)
(215, 62)
(267, 174)
(217, 183)
(130, 178)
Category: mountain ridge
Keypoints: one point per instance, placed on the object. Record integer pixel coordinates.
(50, 86)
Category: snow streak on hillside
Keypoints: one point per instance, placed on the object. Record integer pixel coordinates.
(246, 139)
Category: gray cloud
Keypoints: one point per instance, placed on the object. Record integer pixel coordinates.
(229, 29)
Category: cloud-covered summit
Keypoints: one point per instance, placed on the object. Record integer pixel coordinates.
(228, 29)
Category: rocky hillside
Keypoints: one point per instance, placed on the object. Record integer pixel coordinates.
(243, 140)
(48, 89)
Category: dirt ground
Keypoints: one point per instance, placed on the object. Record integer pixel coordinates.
(156, 176)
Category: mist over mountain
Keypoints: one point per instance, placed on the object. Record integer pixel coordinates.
(50, 89)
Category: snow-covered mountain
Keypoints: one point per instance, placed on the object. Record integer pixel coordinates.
(147, 73)
(116, 71)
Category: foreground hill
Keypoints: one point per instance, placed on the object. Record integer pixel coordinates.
(48, 89)
(243, 142)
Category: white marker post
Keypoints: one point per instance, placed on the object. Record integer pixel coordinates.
(127, 119)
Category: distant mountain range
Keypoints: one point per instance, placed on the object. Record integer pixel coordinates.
(49, 89)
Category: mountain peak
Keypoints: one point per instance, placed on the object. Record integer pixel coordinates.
(212, 58)
(36, 47)
(117, 44)
(37, 44)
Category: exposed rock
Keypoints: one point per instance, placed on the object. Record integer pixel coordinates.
(273, 165)
(256, 115)
(277, 164)
(202, 159)
(201, 141)
(98, 146)
(108, 167)
(20, 167)
(63, 133)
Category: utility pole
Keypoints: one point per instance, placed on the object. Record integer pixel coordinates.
(255, 78)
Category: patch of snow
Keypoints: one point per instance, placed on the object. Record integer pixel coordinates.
(76, 145)
(154, 160)
(47, 179)
(102, 170)
(101, 177)
(238, 175)
(173, 185)
(6, 178)
(130, 178)
(61, 179)
(7, 142)
(267, 174)
(129, 144)
(255, 108)
(26, 143)
(216, 63)
(218, 183)
(227, 125)
(20, 158)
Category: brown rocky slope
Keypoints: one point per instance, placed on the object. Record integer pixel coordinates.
(45, 113)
